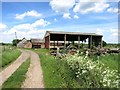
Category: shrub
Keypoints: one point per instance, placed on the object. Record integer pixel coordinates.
(92, 74)
(104, 43)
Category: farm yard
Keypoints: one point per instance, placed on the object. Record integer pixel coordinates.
(65, 64)
(66, 44)
(72, 70)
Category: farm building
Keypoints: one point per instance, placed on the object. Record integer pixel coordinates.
(57, 39)
(33, 43)
(37, 43)
(54, 39)
(24, 43)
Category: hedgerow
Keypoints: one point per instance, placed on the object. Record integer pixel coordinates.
(92, 73)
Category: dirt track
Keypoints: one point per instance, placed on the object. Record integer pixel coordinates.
(7, 72)
(34, 76)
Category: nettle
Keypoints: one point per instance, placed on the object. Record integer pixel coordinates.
(91, 73)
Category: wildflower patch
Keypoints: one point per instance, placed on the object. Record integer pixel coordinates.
(92, 74)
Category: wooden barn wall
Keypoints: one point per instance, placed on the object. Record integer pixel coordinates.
(47, 41)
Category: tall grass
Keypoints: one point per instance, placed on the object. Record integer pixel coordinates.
(17, 78)
(9, 56)
(111, 60)
(56, 72)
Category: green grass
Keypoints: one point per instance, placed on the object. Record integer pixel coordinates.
(110, 60)
(9, 56)
(17, 78)
(56, 72)
(112, 46)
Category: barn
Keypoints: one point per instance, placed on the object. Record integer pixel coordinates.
(32, 43)
(54, 39)
(37, 43)
(57, 38)
(24, 43)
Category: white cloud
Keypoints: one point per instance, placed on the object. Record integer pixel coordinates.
(83, 7)
(28, 30)
(32, 13)
(66, 16)
(55, 19)
(62, 5)
(87, 7)
(31, 26)
(76, 17)
(40, 22)
(10, 35)
(114, 32)
(2, 26)
(22, 27)
(112, 10)
(99, 31)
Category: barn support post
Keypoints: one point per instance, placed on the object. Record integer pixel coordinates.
(73, 42)
(65, 41)
(78, 42)
(54, 43)
(49, 42)
(101, 42)
(45, 43)
(90, 41)
(57, 43)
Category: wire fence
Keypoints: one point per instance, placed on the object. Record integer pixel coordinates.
(4, 48)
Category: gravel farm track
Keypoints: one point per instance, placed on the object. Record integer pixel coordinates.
(34, 76)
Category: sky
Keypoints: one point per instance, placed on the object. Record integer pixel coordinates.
(33, 19)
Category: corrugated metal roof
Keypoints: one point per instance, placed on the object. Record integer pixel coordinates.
(70, 33)
(33, 40)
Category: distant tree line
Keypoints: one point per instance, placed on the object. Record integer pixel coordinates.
(15, 42)
(5, 43)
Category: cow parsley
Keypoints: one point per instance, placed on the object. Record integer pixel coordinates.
(92, 73)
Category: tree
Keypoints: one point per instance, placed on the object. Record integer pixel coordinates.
(15, 42)
(104, 43)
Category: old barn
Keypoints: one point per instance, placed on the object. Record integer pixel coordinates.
(54, 39)
(32, 43)
(57, 38)
(24, 43)
(37, 43)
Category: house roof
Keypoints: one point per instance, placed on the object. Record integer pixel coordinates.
(22, 43)
(70, 33)
(35, 40)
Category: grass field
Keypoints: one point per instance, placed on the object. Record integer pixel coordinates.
(17, 78)
(57, 73)
(9, 55)
(111, 60)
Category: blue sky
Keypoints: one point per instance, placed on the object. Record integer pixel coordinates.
(32, 20)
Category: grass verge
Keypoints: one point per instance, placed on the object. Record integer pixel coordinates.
(17, 78)
(111, 61)
(9, 56)
(56, 72)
